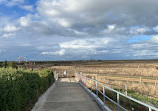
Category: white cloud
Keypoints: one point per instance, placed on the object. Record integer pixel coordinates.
(10, 28)
(9, 35)
(86, 43)
(83, 28)
(82, 48)
(99, 13)
(25, 21)
(64, 23)
(142, 30)
(2, 50)
(149, 53)
(139, 30)
(111, 27)
(155, 28)
(60, 52)
(80, 33)
(154, 39)
(28, 7)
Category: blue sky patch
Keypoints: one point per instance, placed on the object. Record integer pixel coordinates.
(139, 38)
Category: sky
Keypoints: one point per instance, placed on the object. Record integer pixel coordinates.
(78, 29)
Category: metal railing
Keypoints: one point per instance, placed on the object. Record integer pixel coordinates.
(89, 82)
(56, 76)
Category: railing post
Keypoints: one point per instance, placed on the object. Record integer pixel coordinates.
(150, 109)
(118, 101)
(82, 78)
(91, 85)
(56, 76)
(97, 88)
(87, 82)
(104, 94)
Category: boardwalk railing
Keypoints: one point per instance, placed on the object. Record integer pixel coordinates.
(56, 76)
(89, 82)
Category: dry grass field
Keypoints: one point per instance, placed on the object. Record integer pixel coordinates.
(140, 77)
(132, 77)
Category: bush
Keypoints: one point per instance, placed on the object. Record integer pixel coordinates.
(21, 88)
(0, 64)
(4, 64)
(12, 64)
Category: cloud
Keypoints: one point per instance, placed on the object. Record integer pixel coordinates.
(10, 28)
(149, 53)
(85, 43)
(111, 27)
(85, 29)
(11, 3)
(100, 12)
(80, 48)
(25, 21)
(155, 28)
(2, 50)
(27, 7)
(154, 39)
(139, 30)
(64, 23)
(101, 17)
(60, 53)
(9, 35)
(146, 49)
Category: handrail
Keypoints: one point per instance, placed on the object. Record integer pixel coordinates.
(56, 76)
(85, 79)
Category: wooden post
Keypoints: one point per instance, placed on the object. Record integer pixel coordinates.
(140, 81)
(96, 76)
(155, 86)
(93, 79)
(125, 89)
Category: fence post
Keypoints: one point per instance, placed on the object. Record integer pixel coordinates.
(140, 81)
(96, 76)
(82, 78)
(56, 76)
(91, 85)
(97, 88)
(55, 72)
(104, 94)
(125, 89)
(118, 101)
(155, 86)
(87, 82)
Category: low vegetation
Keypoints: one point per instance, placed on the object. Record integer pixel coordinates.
(20, 89)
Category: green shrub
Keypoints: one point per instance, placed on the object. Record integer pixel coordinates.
(12, 64)
(20, 88)
(4, 64)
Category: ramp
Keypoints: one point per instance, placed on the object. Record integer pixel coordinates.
(67, 95)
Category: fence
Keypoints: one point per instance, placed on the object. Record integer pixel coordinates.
(89, 82)
(56, 76)
(140, 85)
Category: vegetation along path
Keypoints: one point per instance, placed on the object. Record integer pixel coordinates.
(68, 96)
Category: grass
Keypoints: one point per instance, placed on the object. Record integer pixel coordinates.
(126, 103)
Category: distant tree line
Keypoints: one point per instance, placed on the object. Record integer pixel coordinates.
(6, 64)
